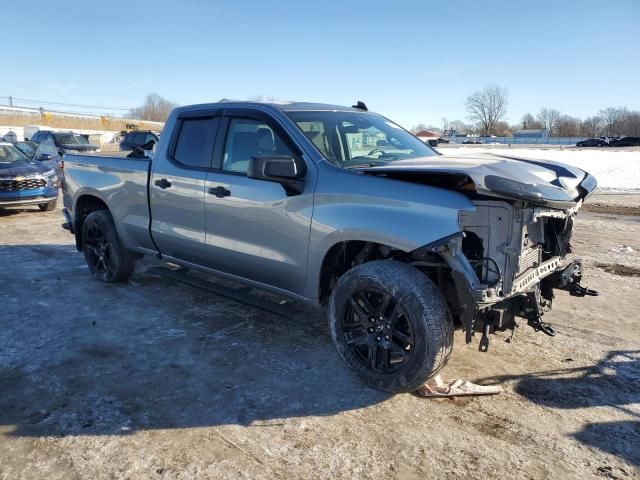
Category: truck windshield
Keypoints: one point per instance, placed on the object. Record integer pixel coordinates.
(70, 139)
(10, 154)
(356, 139)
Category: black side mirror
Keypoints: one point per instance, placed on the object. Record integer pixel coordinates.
(149, 145)
(43, 157)
(282, 169)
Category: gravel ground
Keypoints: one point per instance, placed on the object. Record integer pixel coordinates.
(152, 379)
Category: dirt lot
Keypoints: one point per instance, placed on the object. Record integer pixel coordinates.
(153, 379)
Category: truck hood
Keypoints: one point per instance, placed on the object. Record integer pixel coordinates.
(22, 169)
(537, 181)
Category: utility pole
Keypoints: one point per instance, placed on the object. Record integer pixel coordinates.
(10, 101)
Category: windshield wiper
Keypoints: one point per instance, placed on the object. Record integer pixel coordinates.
(367, 165)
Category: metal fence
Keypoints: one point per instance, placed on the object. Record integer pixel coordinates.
(523, 140)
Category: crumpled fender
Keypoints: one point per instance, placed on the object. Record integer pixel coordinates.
(399, 214)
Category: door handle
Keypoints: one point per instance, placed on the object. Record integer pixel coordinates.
(163, 183)
(220, 192)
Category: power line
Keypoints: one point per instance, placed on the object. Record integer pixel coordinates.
(44, 102)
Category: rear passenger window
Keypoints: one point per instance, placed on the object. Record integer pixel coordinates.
(194, 146)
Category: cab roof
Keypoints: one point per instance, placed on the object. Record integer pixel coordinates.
(290, 106)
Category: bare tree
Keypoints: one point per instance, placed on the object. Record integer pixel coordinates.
(614, 120)
(529, 122)
(418, 128)
(155, 108)
(568, 126)
(487, 106)
(548, 117)
(502, 129)
(461, 127)
(591, 126)
(633, 124)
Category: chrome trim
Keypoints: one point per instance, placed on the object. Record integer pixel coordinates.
(30, 201)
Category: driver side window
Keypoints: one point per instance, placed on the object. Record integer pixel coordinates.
(248, 138)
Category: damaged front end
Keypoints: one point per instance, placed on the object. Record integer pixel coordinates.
(506, 263)
(510, 253)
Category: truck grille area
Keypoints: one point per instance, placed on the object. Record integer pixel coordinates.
(23, 184)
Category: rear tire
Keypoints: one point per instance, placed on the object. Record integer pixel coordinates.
(391, 325)
(48, 207)
(105, 255)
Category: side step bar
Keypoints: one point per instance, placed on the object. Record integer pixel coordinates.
(240, 296)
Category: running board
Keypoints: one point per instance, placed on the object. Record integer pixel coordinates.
(240, 296)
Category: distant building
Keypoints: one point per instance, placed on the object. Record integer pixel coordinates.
(426, 135)
(536, 133)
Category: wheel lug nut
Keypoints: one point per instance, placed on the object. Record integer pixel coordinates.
(386, 337)
(370, 330)
(377, 339)
(372, 319)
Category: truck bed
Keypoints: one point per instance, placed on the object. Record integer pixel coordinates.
(121, 183)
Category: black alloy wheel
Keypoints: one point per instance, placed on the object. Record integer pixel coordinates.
(378, 331)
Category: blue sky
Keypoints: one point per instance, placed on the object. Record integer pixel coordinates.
(414, 61)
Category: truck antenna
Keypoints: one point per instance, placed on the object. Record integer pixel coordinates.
(360, 106)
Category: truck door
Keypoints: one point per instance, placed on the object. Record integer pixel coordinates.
(177, 188)
(255, 230)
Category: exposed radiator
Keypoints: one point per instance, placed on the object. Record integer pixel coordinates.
(531, 257)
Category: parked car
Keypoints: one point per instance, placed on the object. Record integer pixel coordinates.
(27, 147)
(137, 139)
(592, 142)
(626, 142)
(24, 181)
(56, 144)
(393, 240)
(473, 141)
(444, 140)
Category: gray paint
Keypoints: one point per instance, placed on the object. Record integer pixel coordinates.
(260, 234)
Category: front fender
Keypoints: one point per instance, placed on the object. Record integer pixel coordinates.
(402, 215)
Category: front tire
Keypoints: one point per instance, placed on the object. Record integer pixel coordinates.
(391, 325)
(105, 255)
(48, 207)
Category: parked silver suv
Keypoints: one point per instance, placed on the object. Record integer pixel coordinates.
(341, 208)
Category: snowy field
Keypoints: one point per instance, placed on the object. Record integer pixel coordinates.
(616, 171)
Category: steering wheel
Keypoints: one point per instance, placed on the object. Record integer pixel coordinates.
(376, 150)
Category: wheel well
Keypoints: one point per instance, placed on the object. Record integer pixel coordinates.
(346, 255)
(84, 206)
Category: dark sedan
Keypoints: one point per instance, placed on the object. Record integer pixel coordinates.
(592, 142)
(626, 142)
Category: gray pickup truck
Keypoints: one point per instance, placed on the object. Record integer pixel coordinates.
(341, 208)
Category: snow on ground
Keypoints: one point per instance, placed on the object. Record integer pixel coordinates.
(616, 171)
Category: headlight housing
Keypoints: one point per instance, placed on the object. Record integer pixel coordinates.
(51, 178)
